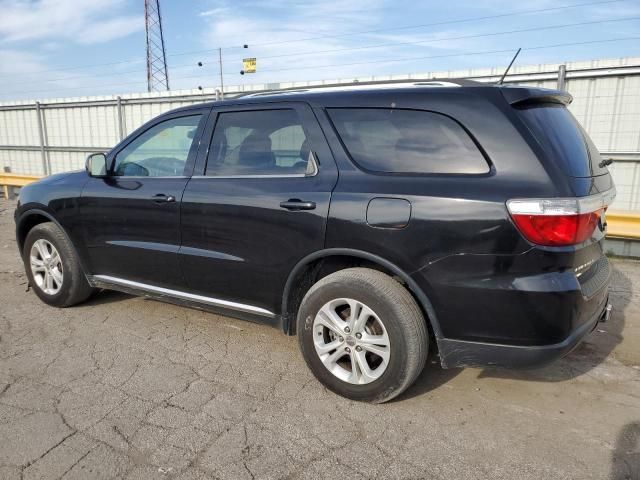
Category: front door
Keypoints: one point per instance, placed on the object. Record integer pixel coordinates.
(131, 218)
(259, 205)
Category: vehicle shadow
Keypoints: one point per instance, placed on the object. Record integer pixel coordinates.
(625, 459)
(588, 355)
(596, 347)
(432, 377)
(103, 297)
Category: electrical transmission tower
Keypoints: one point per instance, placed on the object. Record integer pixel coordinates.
(157, 76)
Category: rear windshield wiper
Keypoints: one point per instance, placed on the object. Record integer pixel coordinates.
(605, 163)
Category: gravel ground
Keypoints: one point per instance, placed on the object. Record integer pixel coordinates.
(124, 387)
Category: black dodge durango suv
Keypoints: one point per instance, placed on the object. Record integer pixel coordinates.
(375, 222)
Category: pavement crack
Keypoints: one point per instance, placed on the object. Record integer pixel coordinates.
(248, 470)
(120, 433)
(6, 387)
(76, 463)
(28, 464)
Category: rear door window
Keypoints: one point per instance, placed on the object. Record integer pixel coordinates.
(563, 139)
(259, 142)
(407, 141)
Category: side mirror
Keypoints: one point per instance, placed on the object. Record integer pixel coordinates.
(96, 165)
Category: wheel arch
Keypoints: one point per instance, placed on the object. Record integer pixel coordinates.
(292, 295)
(34, 217)
(28, 220)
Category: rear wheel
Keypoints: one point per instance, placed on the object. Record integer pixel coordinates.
(362, 334)
(53, 268)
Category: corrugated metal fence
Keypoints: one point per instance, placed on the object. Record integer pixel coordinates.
(55, 135)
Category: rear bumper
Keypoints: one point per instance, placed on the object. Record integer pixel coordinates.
(462, 353)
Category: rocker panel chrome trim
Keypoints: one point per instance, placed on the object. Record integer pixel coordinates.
(241, 307)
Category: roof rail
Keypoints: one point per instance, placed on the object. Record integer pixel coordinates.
(424, 82)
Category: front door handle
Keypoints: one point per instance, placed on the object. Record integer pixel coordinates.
(162, 198)
(296, 204)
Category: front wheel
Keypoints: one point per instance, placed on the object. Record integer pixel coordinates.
(362, 334)
(53, 267)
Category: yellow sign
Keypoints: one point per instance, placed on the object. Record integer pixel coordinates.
(249, 65)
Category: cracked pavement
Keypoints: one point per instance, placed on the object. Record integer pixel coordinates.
(125, 387)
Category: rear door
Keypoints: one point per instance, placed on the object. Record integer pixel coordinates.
(258, 206)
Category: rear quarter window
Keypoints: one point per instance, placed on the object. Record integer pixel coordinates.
(563, 139)
(407, 141)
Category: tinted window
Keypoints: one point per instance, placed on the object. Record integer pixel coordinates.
(261, 142)
(407, 141)
(161, 151)
(563, 138)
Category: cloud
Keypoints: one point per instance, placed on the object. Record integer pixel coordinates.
(81, 21)
(110, 29)
(292, 41)
(213, 11)
(15, 60)
(319, 40)
(32, 31)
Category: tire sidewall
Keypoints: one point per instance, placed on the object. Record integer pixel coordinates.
(60, 298)
(393, 376)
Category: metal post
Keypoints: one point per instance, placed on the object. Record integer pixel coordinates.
(221, 74)
(120, 118)
(43, 153)
(562, 77)
(8, 191)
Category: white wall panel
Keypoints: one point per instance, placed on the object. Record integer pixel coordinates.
(626, 176)
(607, 105)
(27, 162)
(65, 161)
(19, 127)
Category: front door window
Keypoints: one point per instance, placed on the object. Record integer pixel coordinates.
(161, 151)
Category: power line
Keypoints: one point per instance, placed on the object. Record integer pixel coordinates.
(486, 52)
(391, 44)
(117, 74)
(445, 22)
(378, 61)
(461, 37)
(342, 35)
(144, 82)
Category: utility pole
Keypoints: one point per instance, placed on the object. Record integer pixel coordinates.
(221, 90)
(157, 75)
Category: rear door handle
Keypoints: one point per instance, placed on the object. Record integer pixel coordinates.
(295, 204)
(162, 198)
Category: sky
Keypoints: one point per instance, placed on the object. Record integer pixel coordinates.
(70, 48)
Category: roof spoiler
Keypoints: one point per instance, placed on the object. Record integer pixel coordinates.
(524, 96)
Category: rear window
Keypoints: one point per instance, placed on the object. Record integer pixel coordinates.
(407, 141)
(562, 137)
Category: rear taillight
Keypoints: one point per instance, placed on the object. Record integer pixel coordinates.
(559, 221)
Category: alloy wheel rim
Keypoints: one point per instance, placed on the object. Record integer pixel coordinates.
(46, 266)
(351, 341)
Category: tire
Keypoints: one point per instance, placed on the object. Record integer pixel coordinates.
(69, 285)
(387, 310)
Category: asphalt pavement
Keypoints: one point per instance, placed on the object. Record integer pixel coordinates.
(125, 387)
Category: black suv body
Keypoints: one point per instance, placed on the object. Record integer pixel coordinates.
(468, 214)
